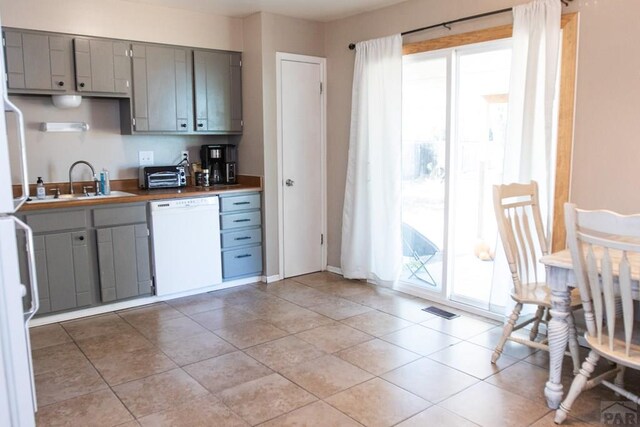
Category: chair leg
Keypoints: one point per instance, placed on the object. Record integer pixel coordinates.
(574, 348)
(577, 386)
(534, 329)
(508, 328)
(619, 381)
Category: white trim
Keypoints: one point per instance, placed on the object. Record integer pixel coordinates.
(282, 56)
(332, 269)
(271, 279)
(107, 308)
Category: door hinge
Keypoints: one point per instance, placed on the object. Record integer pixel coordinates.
(241, 123)
(153, 285)
(320, 87)
(148, 233)
(4, 42)
(131, 53)
(133, 121)
(322, 239)
(241, 62)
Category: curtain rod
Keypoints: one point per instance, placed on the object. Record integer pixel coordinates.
(447, 24)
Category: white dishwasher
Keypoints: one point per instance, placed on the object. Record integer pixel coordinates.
(186, 244)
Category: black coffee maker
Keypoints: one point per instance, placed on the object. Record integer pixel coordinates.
(220, 160)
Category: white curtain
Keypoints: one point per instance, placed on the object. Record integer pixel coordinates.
(529, 140)
(371, 220)
(534, 69)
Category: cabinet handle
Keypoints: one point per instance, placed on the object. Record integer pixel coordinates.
(242, 238)
(60, 84)
(81, 238)
(242, 220)
(81, 84)
(200, 125)
(243, 256)
(241, 203)
(183, 125)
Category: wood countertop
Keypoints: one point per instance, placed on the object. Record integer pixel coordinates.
(245, 184)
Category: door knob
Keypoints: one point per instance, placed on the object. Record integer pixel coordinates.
(289, 183)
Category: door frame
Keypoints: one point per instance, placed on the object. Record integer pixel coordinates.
(322, 62)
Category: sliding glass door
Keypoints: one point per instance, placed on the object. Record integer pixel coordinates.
(454, 124)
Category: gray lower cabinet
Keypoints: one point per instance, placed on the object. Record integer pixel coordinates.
(240, 235)
(218, 91)
(162, 90)
(124, 263)
(85, 257)
(102, 66)
(63, 255)
(37, 62)
(123, 260)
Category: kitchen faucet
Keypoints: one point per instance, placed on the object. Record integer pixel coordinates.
(93, 172)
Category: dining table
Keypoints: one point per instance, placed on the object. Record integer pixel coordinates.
(561, 280)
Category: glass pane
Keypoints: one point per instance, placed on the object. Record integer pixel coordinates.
(423, 168)
(477, 154)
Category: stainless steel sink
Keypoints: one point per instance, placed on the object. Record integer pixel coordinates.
(79, 197)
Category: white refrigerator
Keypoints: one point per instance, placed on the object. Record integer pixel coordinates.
(17, 391)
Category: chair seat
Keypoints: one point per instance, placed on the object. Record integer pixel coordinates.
(618, 354)
(540, 294)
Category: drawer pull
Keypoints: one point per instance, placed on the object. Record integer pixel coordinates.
(243, 238)
(241, 203)
(242, 220)
(243, 256)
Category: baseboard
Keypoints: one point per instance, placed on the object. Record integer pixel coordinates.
(108, 308)
(336, 270)
(271, 279)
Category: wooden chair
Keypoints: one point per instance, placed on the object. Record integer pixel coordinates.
(605, 250)
(522, 233)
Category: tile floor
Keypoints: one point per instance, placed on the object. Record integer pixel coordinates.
(313, 351)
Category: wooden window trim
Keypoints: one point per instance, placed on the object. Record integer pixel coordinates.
(566, 102)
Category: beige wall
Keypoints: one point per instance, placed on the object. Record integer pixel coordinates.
(608, 94)
(125, 20)
(278, 34)
(50, 154)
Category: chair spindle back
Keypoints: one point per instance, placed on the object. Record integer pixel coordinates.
(520, 226)
(605, 250)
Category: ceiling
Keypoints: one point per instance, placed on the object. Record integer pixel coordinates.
(315, 10)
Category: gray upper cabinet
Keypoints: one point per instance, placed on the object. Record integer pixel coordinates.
(218, 91)
(38, 62)
(102, 66)
(161, 89)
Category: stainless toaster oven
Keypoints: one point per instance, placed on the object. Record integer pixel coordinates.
(151, 177)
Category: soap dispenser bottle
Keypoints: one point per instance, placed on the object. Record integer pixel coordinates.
(40, 190)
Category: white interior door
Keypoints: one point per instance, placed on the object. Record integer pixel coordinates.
(301, 134)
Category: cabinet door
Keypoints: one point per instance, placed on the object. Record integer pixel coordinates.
(161, 89)
(124, 263)
(64, 270)
(218, 91)
(37, 62)
(102, 66)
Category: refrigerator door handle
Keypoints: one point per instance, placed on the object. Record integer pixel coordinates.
(10, 107)
(33, 285)
(35, 300)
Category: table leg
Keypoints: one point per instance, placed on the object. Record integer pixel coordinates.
(558, 337)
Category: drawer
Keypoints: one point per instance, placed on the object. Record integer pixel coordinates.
(57, 221)
(244, 237)
(107, 217)
(240, 203)
(242, 262)
(244, 219)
